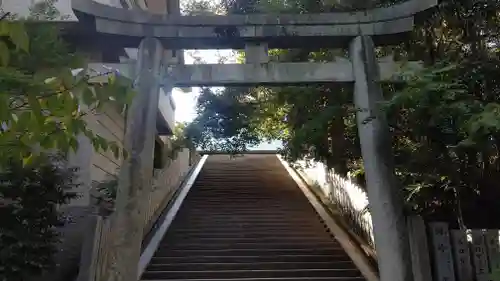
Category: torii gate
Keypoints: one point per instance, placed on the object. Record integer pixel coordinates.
(114, 29)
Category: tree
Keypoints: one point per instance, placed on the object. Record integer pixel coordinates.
(223, 121)
(444, 121)
(28, 235)
(46, 90)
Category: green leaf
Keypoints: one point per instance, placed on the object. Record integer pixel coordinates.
(4, 107)
(95, 144)
(19, 36)
(62, 140)
(103, 143)
(73, 143)
(102, 94)
(68, 79)
(89, 134)
(78, 125)
(34, 103)
(115, 149)
(28, 160)
(47, 142)
(24, 121)
(111, 79)
(125, 153)
(88, 96)
(15, 118)
(129, 96)
(4, 54)
(25, 139)
(70, 104)
(4, 28)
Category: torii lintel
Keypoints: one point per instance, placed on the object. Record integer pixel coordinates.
(127, 27)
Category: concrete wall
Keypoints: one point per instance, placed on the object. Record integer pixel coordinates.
(163, 6)
(157, 6)
(95, 166)
(16, 6)
(166, 181)
(21, 7)
(166, 106)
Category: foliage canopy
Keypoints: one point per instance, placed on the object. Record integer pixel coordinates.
(444, 121)
(46, 90)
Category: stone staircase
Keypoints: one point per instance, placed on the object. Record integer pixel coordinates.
(245, 219)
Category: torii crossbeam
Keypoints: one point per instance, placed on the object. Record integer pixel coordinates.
(127, 27)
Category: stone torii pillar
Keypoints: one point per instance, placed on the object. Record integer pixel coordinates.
(136, 172)
(384, 191)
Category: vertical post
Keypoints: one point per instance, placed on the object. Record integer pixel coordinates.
(492, 243)
(461, 252)
(441, 248)
(391, 238)
(419, 247)
(136, 171)
(480, 257)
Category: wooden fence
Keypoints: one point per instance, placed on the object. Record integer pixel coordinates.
(444, 254)
(348, 198)
(343, 193)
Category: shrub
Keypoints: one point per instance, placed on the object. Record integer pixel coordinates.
(29, 201)
(106, 195)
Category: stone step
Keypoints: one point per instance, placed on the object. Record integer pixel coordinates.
(249, 258)
(247, 235)
(165, 252)
(269, 279)
(251, 228)
(244, 273)
(264, 240)
(248, 245)
(248, 222)
(250, 265)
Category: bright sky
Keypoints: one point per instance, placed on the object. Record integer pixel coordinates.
(186, 102)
